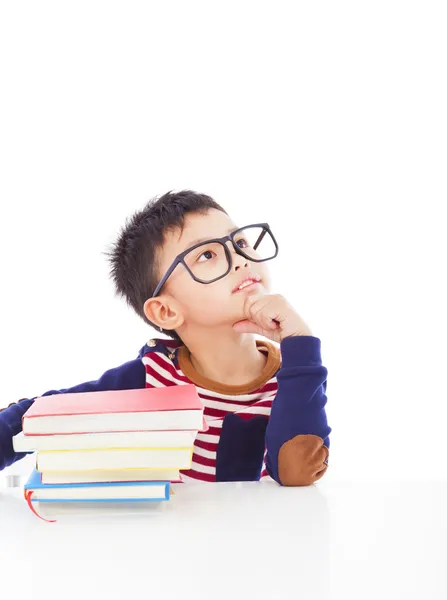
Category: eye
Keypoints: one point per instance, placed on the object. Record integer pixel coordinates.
(242, 243)
(208, 254)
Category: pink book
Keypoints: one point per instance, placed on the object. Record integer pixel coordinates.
(148, 409)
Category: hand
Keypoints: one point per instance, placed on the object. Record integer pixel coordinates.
(12, 403)
(272, 316)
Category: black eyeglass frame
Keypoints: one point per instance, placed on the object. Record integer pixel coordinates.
(180, 259)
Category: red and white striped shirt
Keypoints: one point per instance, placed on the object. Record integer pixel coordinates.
(175, 368)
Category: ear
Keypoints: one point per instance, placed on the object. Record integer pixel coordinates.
(164, 312)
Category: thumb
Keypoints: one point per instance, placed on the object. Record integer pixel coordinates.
(247, 326)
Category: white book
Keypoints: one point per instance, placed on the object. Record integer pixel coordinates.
(149, 421)
(63, 477)
(85, 441)
(124, 458)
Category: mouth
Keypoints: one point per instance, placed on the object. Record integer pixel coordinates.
(247, 282)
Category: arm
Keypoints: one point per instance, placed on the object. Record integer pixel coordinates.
(297, 435)
(130, 375)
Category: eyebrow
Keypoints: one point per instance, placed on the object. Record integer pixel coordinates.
(204, 239)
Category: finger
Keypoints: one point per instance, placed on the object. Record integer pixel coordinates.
(247, 326)
(262, 318)
(253, 302)
(257, 311)
(250, 327)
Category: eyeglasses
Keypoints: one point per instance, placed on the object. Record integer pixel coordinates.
(209, 261)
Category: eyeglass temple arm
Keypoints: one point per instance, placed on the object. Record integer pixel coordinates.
(259, 240)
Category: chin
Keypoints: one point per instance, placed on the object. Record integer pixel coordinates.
(251, 289)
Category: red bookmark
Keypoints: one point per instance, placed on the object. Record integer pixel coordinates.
(28, 494)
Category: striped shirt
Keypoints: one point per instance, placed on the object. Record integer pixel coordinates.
(172, 368)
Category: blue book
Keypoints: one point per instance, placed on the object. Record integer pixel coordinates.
(121, 491)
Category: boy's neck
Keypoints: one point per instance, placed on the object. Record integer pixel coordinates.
(230, 359)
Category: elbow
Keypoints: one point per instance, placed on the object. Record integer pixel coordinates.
(302, 460)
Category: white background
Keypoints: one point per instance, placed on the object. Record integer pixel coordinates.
(327, 119)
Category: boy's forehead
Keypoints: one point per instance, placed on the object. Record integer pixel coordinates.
(197, 228)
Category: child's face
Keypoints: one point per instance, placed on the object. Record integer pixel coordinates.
(190, 303)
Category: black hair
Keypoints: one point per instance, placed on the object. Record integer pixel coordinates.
(134, 255)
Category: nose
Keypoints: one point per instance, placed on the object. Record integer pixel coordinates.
(237, 267)
(238, 261)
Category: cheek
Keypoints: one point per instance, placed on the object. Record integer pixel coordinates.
(206, 304)
(209, 298)
(197, 296)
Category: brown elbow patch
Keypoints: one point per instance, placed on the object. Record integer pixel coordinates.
(301, 460)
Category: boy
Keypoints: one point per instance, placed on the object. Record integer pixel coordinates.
(187, 269)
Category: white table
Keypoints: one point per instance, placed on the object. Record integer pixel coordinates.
(235, 540)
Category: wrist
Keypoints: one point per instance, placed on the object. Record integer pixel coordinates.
(303, 331)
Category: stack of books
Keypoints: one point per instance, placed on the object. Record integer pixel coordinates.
(110, 446)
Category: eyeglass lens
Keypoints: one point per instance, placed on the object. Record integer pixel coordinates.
(209, 261)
